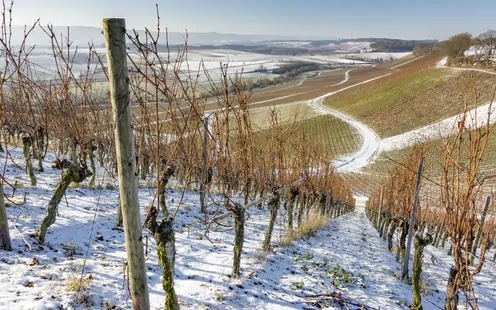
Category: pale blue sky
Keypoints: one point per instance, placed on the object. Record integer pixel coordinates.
(357, 18)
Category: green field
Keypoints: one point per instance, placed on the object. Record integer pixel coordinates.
(335, 136)
(330, 134)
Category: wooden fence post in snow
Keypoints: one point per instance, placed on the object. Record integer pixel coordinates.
(406, 259)
(479, 230)
(4, 224)
(114, 30)
(203, 183)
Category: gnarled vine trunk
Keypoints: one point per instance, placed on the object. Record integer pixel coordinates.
(451, 301)
(239, 229)
(73, 174)
(392, 229)
(167, 173)
(163, 233)
(420, 244)
(273, 206)
(27, 143)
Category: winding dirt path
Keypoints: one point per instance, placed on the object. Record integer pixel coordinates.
(370, 141)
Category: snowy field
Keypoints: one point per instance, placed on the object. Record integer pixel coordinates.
(346, 260)
(44, 67)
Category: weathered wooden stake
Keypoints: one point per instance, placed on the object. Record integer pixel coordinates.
(439, 232)
(479, 230)
(114, 30)
(380, 211)
(293, 194)
(412, 219)
(4, 224)
(119, 213)
(204, 166)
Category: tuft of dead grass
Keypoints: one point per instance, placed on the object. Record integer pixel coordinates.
(81, 290)
(308, 228)
(313, 224)
(76, 284)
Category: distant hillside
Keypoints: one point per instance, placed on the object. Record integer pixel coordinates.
(81, 35)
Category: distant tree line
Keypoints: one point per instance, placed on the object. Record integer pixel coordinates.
(483, 49)
(391, 46)
(425, 48)
(294, 69)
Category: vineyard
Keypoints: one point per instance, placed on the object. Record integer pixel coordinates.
(331, 135)
(72, 158)
(126, 187)
(405, 101)
(455, 203)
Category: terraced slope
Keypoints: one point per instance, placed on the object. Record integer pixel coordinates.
(405, 101)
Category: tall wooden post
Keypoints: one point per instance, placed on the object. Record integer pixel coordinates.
(380, 210)
(481, 225)
(412, 220)
(4, 224)
(114, 30)
(204, 167)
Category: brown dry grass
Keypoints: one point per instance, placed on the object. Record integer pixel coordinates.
(309, 227)
(313, 224)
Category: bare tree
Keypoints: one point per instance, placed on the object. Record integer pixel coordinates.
(487, 43)
(456, 46)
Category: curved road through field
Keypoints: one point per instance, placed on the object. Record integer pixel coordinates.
(372, 145)
(370, 141)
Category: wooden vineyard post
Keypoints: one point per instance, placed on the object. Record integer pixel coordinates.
(380, 211)
(406, 259)
(479, 230)
(114, 30)
(203, 182)
(4, 224)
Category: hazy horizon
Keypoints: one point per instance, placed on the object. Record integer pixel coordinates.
(316, 18)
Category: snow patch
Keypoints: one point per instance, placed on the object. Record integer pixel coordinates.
(476, 118)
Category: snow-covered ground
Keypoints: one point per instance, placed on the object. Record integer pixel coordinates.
(347, 259)
(86, 227)
(477, 51)
(442, 64)
(476, 118)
